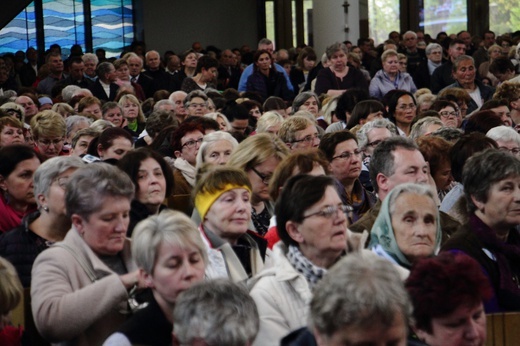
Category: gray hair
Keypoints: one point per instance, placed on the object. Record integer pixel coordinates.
(192, 95)
(74, 120)
(302, 97)
(49, 170)
(216, 115)
(419, 128)
(431, 47)
(219, 312)
(68, 92)
(101, 124)
(358, 291)
(211, 138)
(504, 134)
(264, 42)
(90, 57)
(362, 134)
(89, 186)
(11, 106)
(171, 227)
(460, 59)
(104, 68)
(160, 103)
(267, 120)
(410, 32)
(416, 189)
(292, 125)
(158, 120)
(483, 170)
(335, 47)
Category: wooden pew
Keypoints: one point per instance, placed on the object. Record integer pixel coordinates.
(503, 329)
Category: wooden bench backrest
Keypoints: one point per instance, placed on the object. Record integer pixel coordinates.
(503, 329)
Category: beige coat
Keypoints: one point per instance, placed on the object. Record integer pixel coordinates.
(70, 309)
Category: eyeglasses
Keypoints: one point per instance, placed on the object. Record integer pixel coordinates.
(265, 178)
(195, 105)
(48, 142)
(405, 107)
(347, 155)
(191, 143)
(514, 151)
(307, 139)
(62, 182)
(331, 210)
(446, 114)
(375, 143)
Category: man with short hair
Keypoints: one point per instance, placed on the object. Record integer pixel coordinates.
(228, 73)
(29, 105)
(135, 66)
(29, 71)
(263, 44)
(173, 64)
(76, 74)
(299, 133)
(395, 161)
(105, 88)
(481, 55)
(443, 76)
(178, 97)
(55, 63)
(415, 55)
(465, 37)
(155, 71)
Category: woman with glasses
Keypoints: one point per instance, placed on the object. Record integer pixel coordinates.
(259, 156)
(389, 77)
(44, 226)
(49, 131)
(345, 160)
(402, 110)
(312, 224)
(449, 113)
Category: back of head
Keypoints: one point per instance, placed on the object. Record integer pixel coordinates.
(482, 121)
(466, 147)
(11, 290)
(216, 312)
(256, 149)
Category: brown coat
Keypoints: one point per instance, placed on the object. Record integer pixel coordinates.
(181, 197)
(70, 309)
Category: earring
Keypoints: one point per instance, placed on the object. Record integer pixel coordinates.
(46, 208)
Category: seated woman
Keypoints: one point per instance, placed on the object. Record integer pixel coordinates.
(223, 199)
(436, 152)
(81, 286)
(390, 78)
(153, 181)
(408, 226)
(45, 226)
(491, 181)
(134, 121)
(11, 131)
(205, 75)
(269, 122)
(312, 224)
(112, 144)
(171, 257)
(402, 110)
(112, 111)
(11, 295)
(447, 294)
(49, 129)
(364, 112)
(309, 101)
(216, 148)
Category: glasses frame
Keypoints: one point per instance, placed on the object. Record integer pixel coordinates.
(265, 178)
(331, 210)
(307, 139)
(346, 155)
(189, 144)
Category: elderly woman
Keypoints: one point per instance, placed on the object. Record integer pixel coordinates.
(258, 157)
(196, 103)
(390, 78)
(402, 111)
(491, 181)
(11, 131)
(112, 111)
(171, 257)
(338, 77)
(436, 152)
(222, 198)
(49, 131)
(19, 162)
(309, 101)
(449, 287)
(506, 138)
(449, 112)
(216, 148)
(425, 127)
(81, 286)
(408, 226)
(133, 114)
(312, 225)
(48, 224)
(269, 122)
(153, 181)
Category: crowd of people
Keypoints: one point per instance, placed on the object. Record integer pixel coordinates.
(261, 197)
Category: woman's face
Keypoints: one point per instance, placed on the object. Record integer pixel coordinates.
(495, 53)
(218, 152)
(338, 61)
(405, 110)
(346, 169)
(449, 116)
(120, 146)
(198, 107)
(123, 73)
(371, 116)
(308, 64)
(151, 183)
(221, 124)
(229, 216)
(310, 105)
(320, 235)
(501, 211)
(264, 62)
(130, 110)
(19, 184)
(115, 116)
(176, 269)
(265, 169)
(55, 199)
(11, 135)
(104, 231)
(414, 221)
(191, 60)
(94, 110)
(50, 146)
(391, 64)
(443, 177)
(255, 113)
(403, 64)
(466, 325)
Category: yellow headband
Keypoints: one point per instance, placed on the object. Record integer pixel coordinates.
(204, 200)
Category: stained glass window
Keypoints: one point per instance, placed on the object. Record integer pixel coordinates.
(20, 33)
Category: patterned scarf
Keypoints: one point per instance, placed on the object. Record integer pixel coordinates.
(312, 273)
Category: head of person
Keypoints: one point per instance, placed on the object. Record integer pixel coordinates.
(186, 141)
(269, 122)
(49, 131)
(408, 226)
(30, 104)
(14, 110)
(202, 310)
(258, 156)
(90, 62)
(122, 70)
(501, 108)
(221, 119)
(390, 61)
(456, 48)
(237, 115)
(196, 103)
(11, 131)
(395, 161)
(449, 112)
(491, 182)
(207, 67)
(266, 44)
(132, 110)
(307, 101)
(97, 201)
(436, 152)
(311, 217)
(178, 97)
(374, 132)
(458, 95)
(55, 63)
(189, 59)
(341, 150)
(274, 103)
(424, 102)
(307, 58)
(63, 108)
(81, 140)
(488, 38)
(434, 53)
(347, 101)
(446, 288)
(112, 111)
(506, 138)
(337, 55)
(425, 126)
(90, 106)
(502, 68)
(135, 64)
(76, 68)
(366, 111)
(11, 291)
(263, 61)
(402, 107)
(112, 143)
(482, 121)
(222, 197)
(216, 148)
(464, 71)
(299, 133)
(410, 40)
(343, 310)
(153, 60)
(106, 72)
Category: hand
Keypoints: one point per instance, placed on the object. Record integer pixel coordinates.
(132, 279)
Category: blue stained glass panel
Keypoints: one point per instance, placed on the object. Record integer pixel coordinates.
(20, 33)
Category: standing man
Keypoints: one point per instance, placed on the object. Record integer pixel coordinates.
(53, 60)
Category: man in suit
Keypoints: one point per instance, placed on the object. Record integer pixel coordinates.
(156, 71)
(29, 70)
(105, 87)
(135, 65)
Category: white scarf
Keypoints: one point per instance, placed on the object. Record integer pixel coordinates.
(187, 170)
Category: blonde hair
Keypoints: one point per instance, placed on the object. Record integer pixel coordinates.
(132, 99)
(48, 124)
(11, 289)
(257, 149)
(267, 120)
(292, 125)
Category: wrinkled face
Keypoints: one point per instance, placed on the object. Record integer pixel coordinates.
(198, 106)
(120, 146)
(219, 152)
(94, 110)
(153, 60)
(405, 110)
(90, 68)
(135, 65)
(104, 231)
(311, 105)
(81, 146)
(338, 61)
(409, 167)
(511, 146)
(261, 178)
(443, 177)
(410, 41)
(11, 135)
(115, 116)
(504, 114)
(465, 73)
(374, 137)
(50, 146)
(306, 139)
(130, 110)
(391, 64)
(19, 184)
(191, 60)
(76, 70)
(457, 50)
(449, 116)
(346, 169)
(464, 326)
(55, 199)
(151, 183)
(29, 106)
(435, 55)
(229, 216)
(178, 99)
(414, 221)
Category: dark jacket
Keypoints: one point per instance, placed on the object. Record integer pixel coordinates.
(486, 93)
(97, 90)
(274, 85)
(138, 212)
(442, 77)
(327, 80)
(161, 79)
